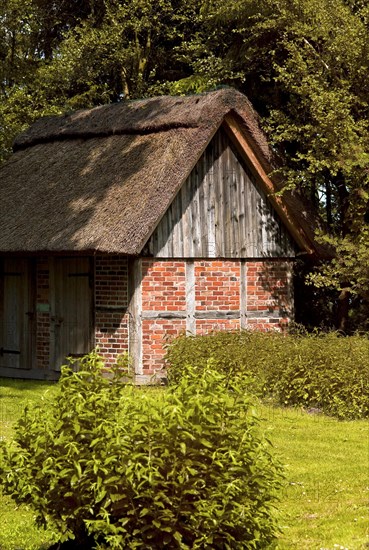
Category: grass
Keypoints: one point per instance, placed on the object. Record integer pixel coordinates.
(17, 527)
(325, 501)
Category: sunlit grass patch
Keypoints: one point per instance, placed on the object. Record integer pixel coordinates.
(325, 502)
(15, 395)
(18, 528)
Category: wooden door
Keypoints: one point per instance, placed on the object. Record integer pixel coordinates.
(72, 319)
(16, 315)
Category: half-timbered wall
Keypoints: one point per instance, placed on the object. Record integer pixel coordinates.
(174, 296)
(220, 211)
(138, 306)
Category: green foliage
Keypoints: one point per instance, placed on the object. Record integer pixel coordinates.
(303, 65)
(347, 272)
(319, 370)
(58, 57)
(124, 467)
(233, 353)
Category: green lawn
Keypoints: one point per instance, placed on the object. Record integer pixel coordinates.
(17, 529)
(325, 501)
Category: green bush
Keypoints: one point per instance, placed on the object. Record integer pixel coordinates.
(327, 371)
(251, 354)
(124, 467)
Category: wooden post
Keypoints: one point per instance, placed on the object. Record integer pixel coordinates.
(243, 294)
(135, 314)
(190, 298)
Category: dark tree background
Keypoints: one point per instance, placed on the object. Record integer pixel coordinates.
(302, 63)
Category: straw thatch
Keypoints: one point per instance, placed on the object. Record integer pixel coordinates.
(101, 179)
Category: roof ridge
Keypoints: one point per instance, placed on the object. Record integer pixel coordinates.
(141, 116)
(21, 145)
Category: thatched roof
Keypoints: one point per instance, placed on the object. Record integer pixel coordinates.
(101, 179)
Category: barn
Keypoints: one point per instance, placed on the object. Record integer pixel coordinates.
(127, 224)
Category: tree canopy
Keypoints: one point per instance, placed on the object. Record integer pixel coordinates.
(302, 63)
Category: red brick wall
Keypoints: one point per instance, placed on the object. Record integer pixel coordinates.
(217, 288)
(269, 294)
(217, 285)
(163, 290)
(163, 285)
(111, 302)
(155, 334)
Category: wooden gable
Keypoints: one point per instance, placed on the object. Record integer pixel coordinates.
(221, 211)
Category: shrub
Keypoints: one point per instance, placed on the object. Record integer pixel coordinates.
(251, 354)
(183, 467)
(326, 371)
(318, 370)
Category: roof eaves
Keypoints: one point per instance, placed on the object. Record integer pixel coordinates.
(235, 132)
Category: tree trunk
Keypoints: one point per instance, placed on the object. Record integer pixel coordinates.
(343, 306)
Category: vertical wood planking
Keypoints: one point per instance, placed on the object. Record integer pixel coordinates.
(218, 219)
(259, 222)
(196, 216)
(13, 306)
(241, 197)
(16, 313)
(213, 175)
(226, 180)
(203, 234)
(226, 208)
(161, 234)
(187, 249)
(181, 234)
(170, 226)
(72, 315)
(30, 359)
(234, 182)
(52, 281)
(221, 211)
(220, 183)
(204, 204)
(250, 236)
(264, 220)
(177, 231)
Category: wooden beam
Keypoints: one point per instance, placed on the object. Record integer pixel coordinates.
(243, 294)
(170, 315)
(135, 314)
(235, 132)
(190, 298)
(217, 314)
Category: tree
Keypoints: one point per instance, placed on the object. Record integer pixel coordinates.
(302, 63)
(104, 51)
(30, 34)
